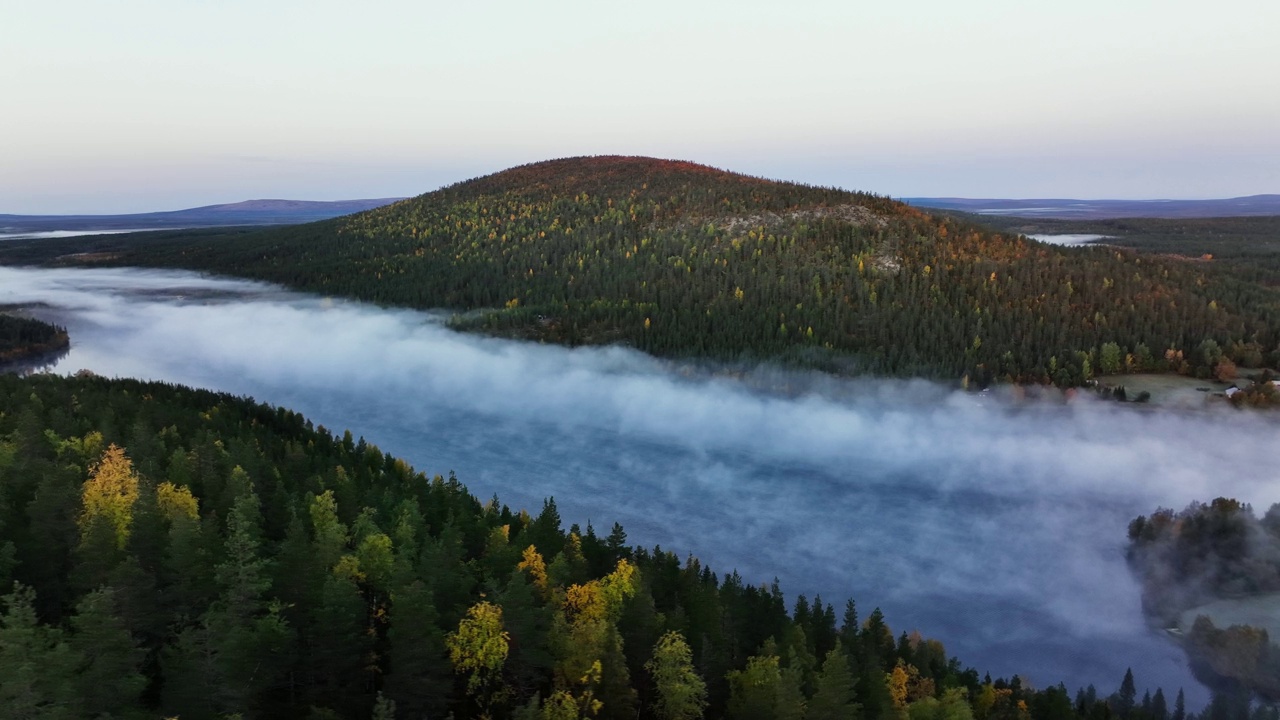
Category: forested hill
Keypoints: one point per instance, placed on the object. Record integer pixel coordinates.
(679, 259)
(169, 552)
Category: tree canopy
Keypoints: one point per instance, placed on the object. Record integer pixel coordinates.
(213, 556)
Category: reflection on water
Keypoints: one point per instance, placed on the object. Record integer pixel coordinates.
(1073, 240)
(996, 528)
(43, 362)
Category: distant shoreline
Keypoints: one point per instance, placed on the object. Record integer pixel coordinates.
(249, 212)
(1072, 209)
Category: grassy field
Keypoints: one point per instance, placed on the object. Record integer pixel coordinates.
(1168, 389)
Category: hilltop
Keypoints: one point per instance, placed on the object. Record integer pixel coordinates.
(680, 259)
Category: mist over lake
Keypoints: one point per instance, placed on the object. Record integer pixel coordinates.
(995, 527)
(1069, 240)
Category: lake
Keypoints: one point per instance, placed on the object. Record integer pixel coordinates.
(1070, 240)
(46, 234)
(995, 526)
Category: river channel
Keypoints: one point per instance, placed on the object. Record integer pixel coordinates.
(995, 526)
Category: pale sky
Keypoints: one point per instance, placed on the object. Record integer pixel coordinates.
(132, 105)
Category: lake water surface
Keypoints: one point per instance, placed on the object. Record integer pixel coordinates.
(47, 234)
(995, 527)
(1070, 240)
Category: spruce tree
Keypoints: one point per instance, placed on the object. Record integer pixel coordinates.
(108, 681)
(418, 675)
(834, 697)
(37, 665)
(1159, 707)
(1124, 699)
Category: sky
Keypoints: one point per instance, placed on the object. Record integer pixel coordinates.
(141, 105)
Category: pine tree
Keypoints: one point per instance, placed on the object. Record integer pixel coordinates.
(834, 697)
(96, 555)
(443, 560)
(1159, 707)
(339, 643)
(877, 641)
(188, 569)
(248, 638)
(8, 561)
(418, 675)
(796, 656)
(37, 666)
(528, 624)
(617, 545)
(1124, 699)
(139, 604)
(149, 533)
(544, 533)
(297, 577)
(615, 693)
(47, 557)
(822, 628)
(849, 631)
(108, 680)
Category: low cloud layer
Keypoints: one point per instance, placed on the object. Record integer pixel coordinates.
(997, 528)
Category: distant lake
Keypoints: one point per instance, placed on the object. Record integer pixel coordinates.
(1056, 209)
(69, 233)
(996, 527)
(1069, 240)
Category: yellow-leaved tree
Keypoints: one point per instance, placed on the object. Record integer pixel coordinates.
(176, 501)
(109, 494)
(589, 647)
(479, 648)
(533, 563)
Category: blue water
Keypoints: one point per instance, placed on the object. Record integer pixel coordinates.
(995, 527)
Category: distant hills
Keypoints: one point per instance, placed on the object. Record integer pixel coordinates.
(684, 260)
(1063, 209)
(289, 212)
(249, 212)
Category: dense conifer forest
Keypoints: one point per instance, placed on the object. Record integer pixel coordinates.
(177, 552)
(23, 338)
(1246, 248)
(678, 259)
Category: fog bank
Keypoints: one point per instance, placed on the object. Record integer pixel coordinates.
(997, 528)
